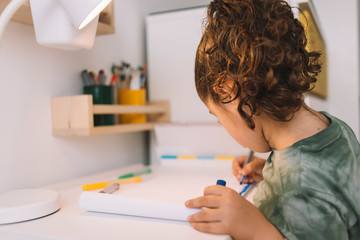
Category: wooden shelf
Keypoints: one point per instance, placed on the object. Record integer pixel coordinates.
(105, 26)
(74, 116)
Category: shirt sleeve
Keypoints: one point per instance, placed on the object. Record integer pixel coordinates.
(301, 216)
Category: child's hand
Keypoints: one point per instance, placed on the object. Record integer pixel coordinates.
(226, 212)
(252, 170)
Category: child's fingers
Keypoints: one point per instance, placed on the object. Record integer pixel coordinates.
(235, 168)
(217, 190)
(237, 163)
(247, 169)
(248, 179)
(208, 215)
(247, 172)
(204, 201)
(253, 171)
(211, 227)
(240, 161)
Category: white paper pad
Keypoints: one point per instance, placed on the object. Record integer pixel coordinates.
(117, 204)
(162, 194)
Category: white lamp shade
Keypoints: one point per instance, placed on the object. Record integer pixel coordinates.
(81, 12)
(54, 28)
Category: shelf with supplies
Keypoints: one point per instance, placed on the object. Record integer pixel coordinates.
(105, 25)
(74, 116)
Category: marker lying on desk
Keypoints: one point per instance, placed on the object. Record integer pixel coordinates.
(146, 171)
(111, 188)
(99, 185)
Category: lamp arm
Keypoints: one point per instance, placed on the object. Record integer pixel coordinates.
(8, 12)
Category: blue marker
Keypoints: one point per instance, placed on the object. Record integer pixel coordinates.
(244, 192)
(245, 188)
(221, 182)
(249, 158)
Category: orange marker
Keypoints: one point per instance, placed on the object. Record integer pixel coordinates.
(99, 185)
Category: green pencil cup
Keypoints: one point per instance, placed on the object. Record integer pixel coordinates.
(102, 95)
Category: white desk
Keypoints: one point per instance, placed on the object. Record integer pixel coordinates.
(71, 222)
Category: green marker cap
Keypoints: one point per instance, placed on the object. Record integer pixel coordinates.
(129, 175)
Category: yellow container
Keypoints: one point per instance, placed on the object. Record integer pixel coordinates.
(132, 97)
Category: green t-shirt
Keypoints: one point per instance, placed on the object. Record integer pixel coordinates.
(311, 190)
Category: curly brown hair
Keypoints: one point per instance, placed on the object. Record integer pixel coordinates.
(261, 46)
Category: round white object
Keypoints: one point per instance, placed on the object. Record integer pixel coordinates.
(27, 204)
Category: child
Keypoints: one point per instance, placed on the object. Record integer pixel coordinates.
(251, 71)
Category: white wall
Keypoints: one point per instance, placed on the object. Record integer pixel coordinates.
(172, 40)
(340, 26)
(30, 75)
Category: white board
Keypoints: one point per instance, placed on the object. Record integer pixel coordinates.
(172, 40)
(197, 139)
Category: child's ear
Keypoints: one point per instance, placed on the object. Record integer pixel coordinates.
(226, 90)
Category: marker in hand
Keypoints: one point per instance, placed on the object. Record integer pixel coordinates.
(246, 190)
(221, 182)
(249, 158)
